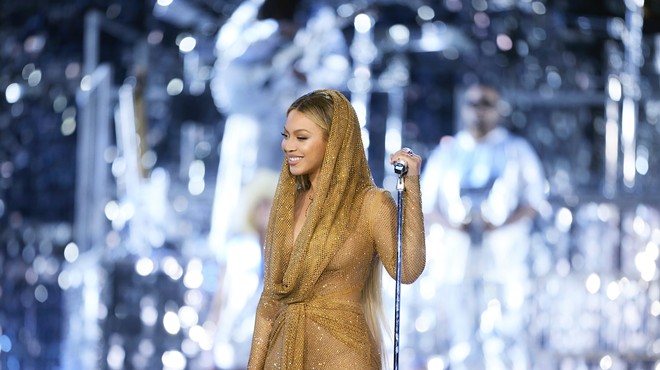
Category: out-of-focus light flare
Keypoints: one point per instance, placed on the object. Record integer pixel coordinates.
(194, 278)
(174, 87)
(60, 103)
(604, 212)
(187, 44)
(27, 70)
(435, 363)
(173, 360)
(71, 252)
(172, 268)
(641, 227)
(642, 160)
(400, 34)
(34, 78)
(86, 83)
(538, 8)
(646, 265)
(655, 310)
(5, 343)
(425, 13)
(481, 20)
(72, 70)
(34, 44)
(196, 186)
(144, 266)
(149, 315)
(13, 93)
(41, 293)
(504, 42)
(614, 89)
(363, 23)
(197, 169)
(193, 298)
(346, 10)
(606, 362)
(111, 210)
(116, 355)
(613, 290)
(593, 283)
(480, 5)
(564, 219)
(64, 280)
(155, 37)
(198, 334)
(171, 323)
(188, 317)
(68, 126)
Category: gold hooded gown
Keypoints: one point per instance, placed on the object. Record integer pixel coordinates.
(311, 313)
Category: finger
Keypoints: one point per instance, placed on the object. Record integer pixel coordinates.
(408, 151)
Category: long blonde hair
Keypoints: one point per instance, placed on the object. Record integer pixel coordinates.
(372, 296)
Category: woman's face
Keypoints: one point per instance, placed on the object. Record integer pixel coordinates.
(303, 145)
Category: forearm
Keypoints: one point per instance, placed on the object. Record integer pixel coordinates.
(262, 328)
(414, 243)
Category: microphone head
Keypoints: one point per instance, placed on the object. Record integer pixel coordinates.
(400, 168)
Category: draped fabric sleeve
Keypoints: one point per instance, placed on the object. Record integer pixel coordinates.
(382, 213)
(266, 312)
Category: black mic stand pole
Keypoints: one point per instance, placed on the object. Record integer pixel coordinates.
(401, 169)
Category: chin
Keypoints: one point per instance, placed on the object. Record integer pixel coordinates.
(295, 172)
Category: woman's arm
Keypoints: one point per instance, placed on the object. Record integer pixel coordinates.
(263, 325)
(383, 214)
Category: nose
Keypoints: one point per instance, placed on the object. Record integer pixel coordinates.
(286, 147)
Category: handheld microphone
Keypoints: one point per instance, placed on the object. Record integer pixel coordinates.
(400, 168)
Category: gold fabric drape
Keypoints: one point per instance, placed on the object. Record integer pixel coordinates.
(344, 177)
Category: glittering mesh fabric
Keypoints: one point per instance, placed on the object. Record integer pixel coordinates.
(311, 313)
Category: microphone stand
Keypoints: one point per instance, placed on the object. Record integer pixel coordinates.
(401, 169)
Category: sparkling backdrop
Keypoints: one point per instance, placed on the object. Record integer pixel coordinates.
(139, 297)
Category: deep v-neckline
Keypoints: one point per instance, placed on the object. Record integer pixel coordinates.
(302, 214)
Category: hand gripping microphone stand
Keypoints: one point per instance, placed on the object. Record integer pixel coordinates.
(400, 169)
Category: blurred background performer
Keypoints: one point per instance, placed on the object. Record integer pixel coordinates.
(231, 316)
(268, 53)
(481, 190)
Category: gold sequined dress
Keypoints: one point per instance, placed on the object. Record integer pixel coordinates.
(311, 314)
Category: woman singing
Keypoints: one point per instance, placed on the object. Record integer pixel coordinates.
(331, 229)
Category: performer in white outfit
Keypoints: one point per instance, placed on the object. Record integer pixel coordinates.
(481, 191)
(267, 57)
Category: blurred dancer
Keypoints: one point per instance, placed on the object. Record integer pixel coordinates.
(231, 316)
(268, 53)
(481, 191)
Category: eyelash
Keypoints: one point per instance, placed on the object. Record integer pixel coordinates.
(285, 135)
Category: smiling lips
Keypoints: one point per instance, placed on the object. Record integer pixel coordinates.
(293, 160)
